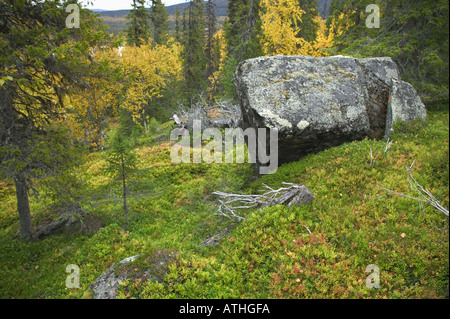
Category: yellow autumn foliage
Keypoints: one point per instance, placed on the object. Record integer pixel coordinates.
(88, 108)
(281, 24)
(147, 70)
(145, 73)
(323, 40)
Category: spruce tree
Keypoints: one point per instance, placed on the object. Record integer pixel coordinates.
(42, 60)
(243, 36)
(243, 29)
(178, 25)
(160, 22)
(184, 24)
(194, 58)
(138, 24)
(211, 29)
(121, 164)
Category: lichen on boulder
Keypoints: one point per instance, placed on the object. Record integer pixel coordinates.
(318, 102)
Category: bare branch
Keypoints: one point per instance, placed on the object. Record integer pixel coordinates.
(292, 195)
(307, 229)
(388, 145)
(425, 195)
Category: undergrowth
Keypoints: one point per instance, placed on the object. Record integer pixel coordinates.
(319, 250)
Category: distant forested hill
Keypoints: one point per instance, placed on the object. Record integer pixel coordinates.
(116, 19)
(117, 22)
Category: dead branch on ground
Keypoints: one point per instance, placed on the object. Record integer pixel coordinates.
(232, 204)
(425, 195)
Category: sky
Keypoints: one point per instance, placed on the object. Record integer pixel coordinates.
(124, 4)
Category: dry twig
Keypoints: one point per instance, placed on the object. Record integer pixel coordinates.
(425, 195)
(388, 145)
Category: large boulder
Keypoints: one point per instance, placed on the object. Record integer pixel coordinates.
(316, 103)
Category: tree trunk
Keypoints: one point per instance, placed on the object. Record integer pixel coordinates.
(144, 121)
(23, 205)
(11, 135)
(124, 191)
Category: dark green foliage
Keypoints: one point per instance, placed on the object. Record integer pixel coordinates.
(211, 28)
(308, 26)
(50, 166)
(184, 26)
(121, 158)
(243, 35)
(243, 29)
(160, 22)
(194, 57)
(178, 25)
(414, 33)
(41, 61)
(126, 123)
(227, 88)
(138, 24)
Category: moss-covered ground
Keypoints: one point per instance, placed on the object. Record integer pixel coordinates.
(320, 250)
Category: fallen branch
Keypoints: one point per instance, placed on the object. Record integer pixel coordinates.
(294, 194)
(223, 114)
(425, 195)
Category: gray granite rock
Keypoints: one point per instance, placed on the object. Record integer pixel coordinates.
(404, 105)
(151, 267)
(316, 103)
(105, 287)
